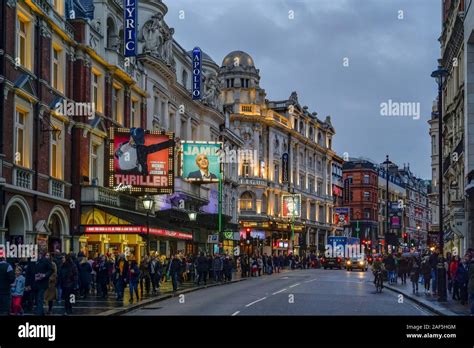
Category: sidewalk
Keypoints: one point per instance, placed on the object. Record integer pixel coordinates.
(95, 305)
(430, 302)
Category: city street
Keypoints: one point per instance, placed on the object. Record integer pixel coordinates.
(314, 291)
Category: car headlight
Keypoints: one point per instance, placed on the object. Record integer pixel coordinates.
(348, 262)
(361, 262)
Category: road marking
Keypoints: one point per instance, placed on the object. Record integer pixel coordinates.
(251, 303)
(292, 286)
(285, 278)
(279, 291)
(236, 313)
(309, 281)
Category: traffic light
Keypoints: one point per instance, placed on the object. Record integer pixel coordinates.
(405, 237)
(247, 233)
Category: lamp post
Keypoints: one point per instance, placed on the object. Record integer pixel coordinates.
(418, 235)
(148, 205)
(387, 163)
(440, 76)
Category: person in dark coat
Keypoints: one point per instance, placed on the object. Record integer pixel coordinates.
(227, 268)
(69, 280)
(28, 267)
(426, 272)
(103, 275)
(173, 270)
(85, 277)
(403, 269)
(133, 277)
(121, 276)
(414, 276)
(462, 277)
(43, 271)
(217, 267)
(389, 263)
(202, 267)
(7, 277)
(433, 261)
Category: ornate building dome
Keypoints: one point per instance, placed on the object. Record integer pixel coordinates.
(238, 58)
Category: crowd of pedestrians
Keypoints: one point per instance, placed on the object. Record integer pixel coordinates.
(423, 268)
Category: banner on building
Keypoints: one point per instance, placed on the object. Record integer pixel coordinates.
(141, 160)
(284, 168)
(197, 73)
(291, 205)
(130, 31)
(395, 212)
(341, 216)
(200, 161)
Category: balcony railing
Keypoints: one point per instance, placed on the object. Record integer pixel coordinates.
(56, 188)
(109, 197)
(23, 178)
(249, 109)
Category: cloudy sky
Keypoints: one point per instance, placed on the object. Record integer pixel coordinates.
(391, 48)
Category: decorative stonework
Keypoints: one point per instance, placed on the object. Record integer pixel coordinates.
(11, 3)
(158, 38)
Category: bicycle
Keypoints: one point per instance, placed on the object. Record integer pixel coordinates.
(378, 281)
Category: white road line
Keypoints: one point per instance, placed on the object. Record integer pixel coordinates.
(251, 303)
(309, 281)
(292, 286)
(279, 291)
(235, 313)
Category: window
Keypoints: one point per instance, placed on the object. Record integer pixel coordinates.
(184, 129)
(367, 213)
(184, 79)
(21, 158)
(134, 113)
(57, 68)
(95, 90)
(246, 83)
(246, 169)
(54, 154)
(58, 6)
(24, 41)
(276, 175)
(302, 182)
(117, 103)
(319, 190)
(311, 185)
(246, 201)
(366, 196)
(366, 179)
(329, 143)
(96, 161)
(433, 142)
(172, 126)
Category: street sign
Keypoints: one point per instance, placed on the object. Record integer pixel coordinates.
(213, 238)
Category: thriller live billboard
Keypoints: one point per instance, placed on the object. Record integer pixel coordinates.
(141, 160)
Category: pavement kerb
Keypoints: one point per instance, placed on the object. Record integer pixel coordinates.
(129, 308)
(443, 312)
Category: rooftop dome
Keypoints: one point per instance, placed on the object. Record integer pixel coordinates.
(243, 59)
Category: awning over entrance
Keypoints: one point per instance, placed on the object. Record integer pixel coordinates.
(132, 229)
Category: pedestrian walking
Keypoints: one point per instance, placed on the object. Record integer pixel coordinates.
(133, 277)
(217, 267)
(433, 260)
(121, 276)
(414, 276)
(103, 276)
(43, 270)
(471, 283)
(462, 277)
(269, 265)
(145, 277)
(202, 268)
(259, 265)
(227, 268)
(85, 277)
(453, 284)
(7, 277)
(389, 263)
(173, 271)
(17, 289)
(51, 293)
(69, 280)
(426, 272)
(403, 269)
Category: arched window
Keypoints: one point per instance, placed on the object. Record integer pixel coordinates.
(184, 79)
(111, 34)
(246, 201)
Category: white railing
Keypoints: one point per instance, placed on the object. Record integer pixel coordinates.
(23, 178)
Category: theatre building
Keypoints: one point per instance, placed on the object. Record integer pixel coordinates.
(35, 170)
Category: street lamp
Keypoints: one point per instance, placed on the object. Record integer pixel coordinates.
(419, 236)
(148, 204)
(440, 75)
(192, 216)
(387, 163)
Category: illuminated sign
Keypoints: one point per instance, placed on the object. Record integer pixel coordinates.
(196, 73)
(284, 168)
(291, 205)
(200, 161)
(130, 33)
(141, 159)
(132, 229)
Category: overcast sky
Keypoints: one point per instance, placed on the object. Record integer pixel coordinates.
(389, 59)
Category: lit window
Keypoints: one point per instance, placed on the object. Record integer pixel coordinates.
(20, 146)
(94, 161)
(97, 94)
(24, 42)
(246, 201)
(54, 154)
(134, 114)
(245, 169)
(57, 75)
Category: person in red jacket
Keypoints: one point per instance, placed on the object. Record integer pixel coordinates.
(453, 267)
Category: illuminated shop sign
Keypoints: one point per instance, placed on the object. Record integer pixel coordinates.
(132, 229)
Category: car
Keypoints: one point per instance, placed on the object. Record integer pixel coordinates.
(357, 263)
(331, 262)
